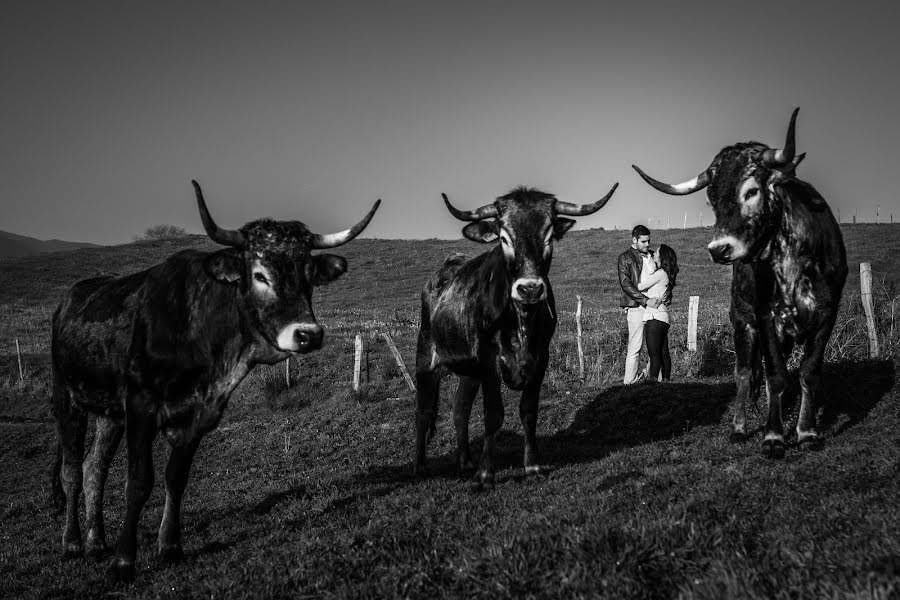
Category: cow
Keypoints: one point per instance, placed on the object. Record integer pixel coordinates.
(789, 269)
(162, 350)
(490, 318)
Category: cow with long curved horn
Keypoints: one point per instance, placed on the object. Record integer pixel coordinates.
(162, 350)
(490, 319)
(789, 269)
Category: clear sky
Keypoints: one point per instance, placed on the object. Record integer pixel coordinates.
(313, 110)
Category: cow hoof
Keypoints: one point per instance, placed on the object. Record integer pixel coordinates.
(773, 448)
(810, 443)
(171, 554)
(120, 571)
(536, 470)
(466, 465)
(97, 553)
(71, 551)
(485, 478)
(737, 437)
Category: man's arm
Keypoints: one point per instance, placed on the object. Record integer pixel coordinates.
(627, 284)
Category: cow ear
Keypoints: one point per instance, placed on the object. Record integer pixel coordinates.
(561, 226)
(482, 231)
(225, 265)
(326, 268)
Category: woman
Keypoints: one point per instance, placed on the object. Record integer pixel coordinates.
(658, 279)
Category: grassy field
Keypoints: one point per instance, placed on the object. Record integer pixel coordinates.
(307, 490)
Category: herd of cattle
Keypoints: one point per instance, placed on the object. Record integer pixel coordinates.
(162, 349)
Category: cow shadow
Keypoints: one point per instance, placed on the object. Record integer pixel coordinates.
(616, 417)
(625, 416)
(849, 391)
(633, 415)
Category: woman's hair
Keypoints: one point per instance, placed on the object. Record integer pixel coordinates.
(668, 262)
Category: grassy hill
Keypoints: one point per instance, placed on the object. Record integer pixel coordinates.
(307, 490)
(12, 244)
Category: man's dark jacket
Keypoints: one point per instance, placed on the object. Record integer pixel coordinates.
(630, 263)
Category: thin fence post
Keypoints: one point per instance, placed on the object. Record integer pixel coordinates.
(578, 338)
(357, 361)
(287, 371)
(685, 221)
(693, 309)
(19, 355)
(400, 363)
(865, 286)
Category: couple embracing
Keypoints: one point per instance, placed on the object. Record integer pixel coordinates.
(647, 279)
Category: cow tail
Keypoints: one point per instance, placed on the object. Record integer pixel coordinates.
(432, 427)
(57, 496)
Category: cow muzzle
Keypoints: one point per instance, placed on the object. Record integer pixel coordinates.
(301, 337)
(529, 291)
(726, 250)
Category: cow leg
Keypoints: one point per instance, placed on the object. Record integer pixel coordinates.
(107, 435)
(71, 424)
(462, 410)
(528, 412)
(177, 471)
(428, 388)
(746, 376)
(776, 383)
(140, 429)
(493, 419)
(810, 376)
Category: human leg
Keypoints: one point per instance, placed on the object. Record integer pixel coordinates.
(635, 341)
(653, 333)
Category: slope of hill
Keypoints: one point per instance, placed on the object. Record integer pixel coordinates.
(306, 490)
(12, 245)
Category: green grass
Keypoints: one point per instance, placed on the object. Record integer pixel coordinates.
(307, 491)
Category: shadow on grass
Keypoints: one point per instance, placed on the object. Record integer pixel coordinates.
(638, 414)
(850, 390)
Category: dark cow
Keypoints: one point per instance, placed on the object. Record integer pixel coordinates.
(789, 270)
(163, 349)
(492, 316)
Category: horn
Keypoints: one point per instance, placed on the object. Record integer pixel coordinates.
(226, 237)
(330, 240)
(778, 158)
(688, 187)
(485, 212)
(579, 210)
(791, 169)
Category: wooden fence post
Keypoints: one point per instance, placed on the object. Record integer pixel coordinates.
(357, 361)
(693, 309)
(865, 286)
(578, 338)
(287, 371)
(400, 362)
(19, 354)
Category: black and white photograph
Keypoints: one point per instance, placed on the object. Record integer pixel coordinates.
(464, 300)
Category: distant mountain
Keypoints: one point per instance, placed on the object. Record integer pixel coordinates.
(20, 245)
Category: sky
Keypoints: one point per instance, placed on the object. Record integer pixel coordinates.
(313, 110)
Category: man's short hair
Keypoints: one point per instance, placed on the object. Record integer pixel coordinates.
(639, 230)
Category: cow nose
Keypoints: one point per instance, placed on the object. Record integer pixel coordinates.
(721, 251)
(530, 291)
(308, 338)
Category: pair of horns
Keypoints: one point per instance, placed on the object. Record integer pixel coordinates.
(233, 237)
(776, 158)
(561, 208)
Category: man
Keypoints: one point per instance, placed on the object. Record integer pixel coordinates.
(630, 264)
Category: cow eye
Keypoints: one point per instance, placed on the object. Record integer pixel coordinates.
(752, 192)
(260, 278)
